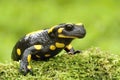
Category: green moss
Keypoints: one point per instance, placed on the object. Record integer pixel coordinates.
(92, 64)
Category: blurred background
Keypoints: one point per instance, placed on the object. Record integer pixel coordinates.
(101, 20)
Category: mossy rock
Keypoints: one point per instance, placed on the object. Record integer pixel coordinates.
(92, 64)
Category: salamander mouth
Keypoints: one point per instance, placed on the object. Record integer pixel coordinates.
(71, 36)
(80, 35)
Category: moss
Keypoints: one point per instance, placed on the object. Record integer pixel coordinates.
(92, 64)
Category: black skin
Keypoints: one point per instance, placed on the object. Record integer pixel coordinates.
(44, 39)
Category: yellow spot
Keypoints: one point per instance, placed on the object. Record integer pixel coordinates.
(69, 47)
(63, 36)
(51, 29)
(29, 58)
(18, 51)
(60, 30)
(59, 45)
(38, 47)
(69, 23)
(79, 24)
(34, 32)
(47, 55)
(29, 67)
(37, 56)
(52, 47)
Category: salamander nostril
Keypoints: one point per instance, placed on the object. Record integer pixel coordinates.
(82, 31)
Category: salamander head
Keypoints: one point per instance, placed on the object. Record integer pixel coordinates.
(68, 30)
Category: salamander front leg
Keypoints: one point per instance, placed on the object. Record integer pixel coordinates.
(69, 49)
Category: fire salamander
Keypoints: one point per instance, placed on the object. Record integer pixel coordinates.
(44, 44)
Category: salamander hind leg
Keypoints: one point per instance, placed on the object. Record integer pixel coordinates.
(26, 58)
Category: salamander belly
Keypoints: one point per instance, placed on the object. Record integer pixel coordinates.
(45, 55)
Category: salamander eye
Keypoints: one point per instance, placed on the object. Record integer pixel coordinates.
(69, 27)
